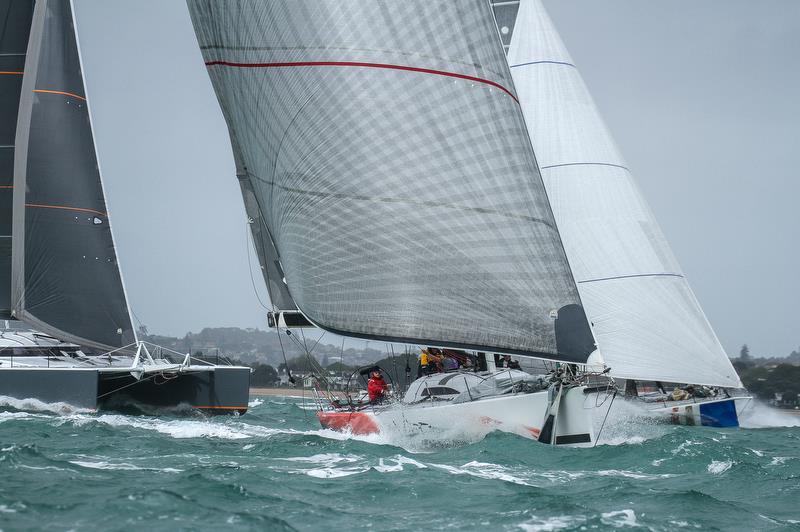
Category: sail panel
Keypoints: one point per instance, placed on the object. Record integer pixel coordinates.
(391, 164)
(647, 322)
(66, 280)
(16, 16)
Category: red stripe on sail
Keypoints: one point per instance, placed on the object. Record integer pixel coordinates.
(386, 66)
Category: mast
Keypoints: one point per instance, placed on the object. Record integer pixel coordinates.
(388, 158)
(65, 277)
(14, 32)
(646, 319)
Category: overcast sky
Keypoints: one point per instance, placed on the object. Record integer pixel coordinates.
(701, 97)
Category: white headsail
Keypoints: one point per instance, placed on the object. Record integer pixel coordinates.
(647, 321)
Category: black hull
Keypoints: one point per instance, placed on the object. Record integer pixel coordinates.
(223, 390)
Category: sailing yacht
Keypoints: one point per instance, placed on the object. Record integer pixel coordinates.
(645, 317)
(394, 195)
(72, 339)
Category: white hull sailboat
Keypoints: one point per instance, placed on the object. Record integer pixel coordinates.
(394, 195)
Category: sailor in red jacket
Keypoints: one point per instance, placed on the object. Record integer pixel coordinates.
(377, 388)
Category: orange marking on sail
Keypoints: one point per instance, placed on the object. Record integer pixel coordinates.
(61, 93)
(66, 208)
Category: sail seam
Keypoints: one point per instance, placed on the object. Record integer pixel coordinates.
(417, 203)
(544, 62)
(66, 208)
(62, 93)
(585, 164)
(357, 64)
(631, 276)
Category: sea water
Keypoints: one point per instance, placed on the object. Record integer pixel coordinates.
(275, 469)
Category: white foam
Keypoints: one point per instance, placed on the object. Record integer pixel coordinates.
(334, 473)
(325, 458)
(483, 470)
(718, 467)
(551, 523)
(631, 474)
(620, 518)
(685, 449)
(255, 402)
(120, 466)
(216, 428)
(35, 405)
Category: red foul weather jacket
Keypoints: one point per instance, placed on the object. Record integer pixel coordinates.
(376, 387)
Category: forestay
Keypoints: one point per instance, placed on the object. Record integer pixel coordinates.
(385, 148)
(65, 277)
(14, 30)
(646, 319)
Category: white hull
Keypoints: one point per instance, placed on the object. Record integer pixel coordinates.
(523, 414)
(712, 412)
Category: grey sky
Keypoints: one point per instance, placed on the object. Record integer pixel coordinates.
(702, 98)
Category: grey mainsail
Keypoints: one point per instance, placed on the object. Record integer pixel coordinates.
(385, 149)
(15, 26)
(65, 277)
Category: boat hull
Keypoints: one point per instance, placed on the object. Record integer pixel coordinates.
(223, 390)
(521, 414)
(73, 386)
(218, 390)
(724, 412)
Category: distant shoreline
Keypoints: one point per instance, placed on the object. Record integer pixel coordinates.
(280, 392)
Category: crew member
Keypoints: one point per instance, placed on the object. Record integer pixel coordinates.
(377, 388)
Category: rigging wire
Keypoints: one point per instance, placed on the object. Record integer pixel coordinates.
(247, 235)
(283, 351)
(599, 432)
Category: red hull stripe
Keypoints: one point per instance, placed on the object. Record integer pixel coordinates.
(358, 423)
(386, 66)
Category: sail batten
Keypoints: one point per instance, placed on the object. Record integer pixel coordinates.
(647, 321)
(65, 276)
(385, 150)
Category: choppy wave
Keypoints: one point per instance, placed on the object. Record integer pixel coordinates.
(274, 468)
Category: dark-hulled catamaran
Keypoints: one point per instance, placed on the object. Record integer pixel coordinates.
(59, 274)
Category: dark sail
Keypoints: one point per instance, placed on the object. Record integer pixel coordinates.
(386, 152)
(65, 277)
(15, 26)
